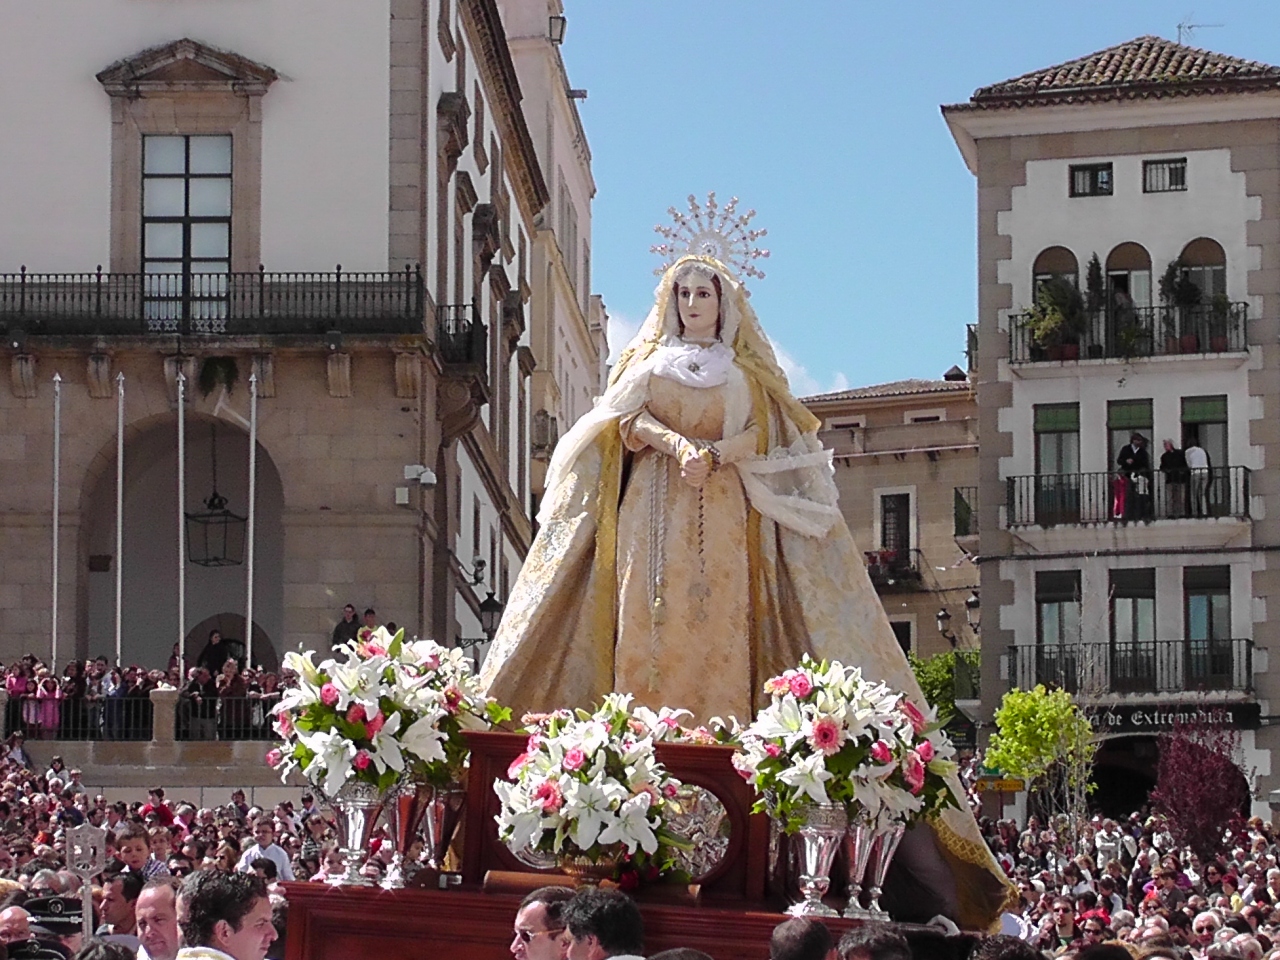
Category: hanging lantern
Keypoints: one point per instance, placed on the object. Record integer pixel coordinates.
(215, 538)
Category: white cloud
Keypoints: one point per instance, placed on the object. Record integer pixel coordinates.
(803, 383)
(621, 331)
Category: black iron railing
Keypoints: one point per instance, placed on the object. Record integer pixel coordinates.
(1075, 498)
(965, 511)
(460, 335)
(218, 304)
(894, 569)
(85, 718)
(225, 718)
(1126, 333)
(1150, 666)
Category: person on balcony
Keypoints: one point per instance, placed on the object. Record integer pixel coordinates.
(1198, 466)
(1135, 464)
(1173, 466)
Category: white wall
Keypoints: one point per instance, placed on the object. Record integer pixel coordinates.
(1213, 205)
(325, 123)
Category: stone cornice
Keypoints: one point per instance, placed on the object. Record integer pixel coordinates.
(186, 65)
(483, 23)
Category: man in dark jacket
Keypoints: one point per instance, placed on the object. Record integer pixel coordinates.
(1135, 464)
(1173, 467)
(347, 628)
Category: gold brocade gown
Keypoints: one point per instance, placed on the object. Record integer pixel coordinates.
(683, 581)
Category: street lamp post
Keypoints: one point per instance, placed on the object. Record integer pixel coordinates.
(490, 616)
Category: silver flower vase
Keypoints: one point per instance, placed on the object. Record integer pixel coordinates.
(816, 844)
(858, 840)
(358, 804)
(883, 848)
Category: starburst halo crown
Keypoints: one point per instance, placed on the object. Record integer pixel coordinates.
(711, 230)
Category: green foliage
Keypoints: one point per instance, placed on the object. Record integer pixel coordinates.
(1095, 290)
(937, 677)
(1059, 313)
(1038, 730)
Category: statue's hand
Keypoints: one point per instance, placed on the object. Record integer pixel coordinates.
(695, 466)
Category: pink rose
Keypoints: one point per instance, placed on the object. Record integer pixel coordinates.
(772, 750)
(356, 714)
(799, 685)
(912, 713)
(274, 758)
(548, 796)
(670, 791)
(375, 650)
(533, 743)
(284, 724)
(517, 765)
(776, 686)
(913, 771)
(925, 750)
(880, 752)
(574, 758)
(363, 634)
(376, 724)
(329, 695)
(432, 662)
(361, 760)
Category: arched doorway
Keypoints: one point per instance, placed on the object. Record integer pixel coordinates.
(150, 573)
(231, 626)
(1124, 770)
(1055, 263)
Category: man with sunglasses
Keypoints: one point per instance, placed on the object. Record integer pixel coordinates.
(539, 927)
(1059, 928)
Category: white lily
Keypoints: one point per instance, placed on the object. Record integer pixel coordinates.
(592, 806)
(423, 739)
(632, 826)
(807, 777)
(334, 753)
(384, 750)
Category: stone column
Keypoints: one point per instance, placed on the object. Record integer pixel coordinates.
(164, 710)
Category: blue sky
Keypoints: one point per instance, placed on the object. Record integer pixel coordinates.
(823, 116)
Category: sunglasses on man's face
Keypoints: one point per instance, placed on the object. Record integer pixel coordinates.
(527, 936)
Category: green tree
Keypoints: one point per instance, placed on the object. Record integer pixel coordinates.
(1043, 737)
(940, 674)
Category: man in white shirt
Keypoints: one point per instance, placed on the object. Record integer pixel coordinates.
(264, 832)
(603, 924)
(1198, 464)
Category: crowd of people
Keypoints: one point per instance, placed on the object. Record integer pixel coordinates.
(1127, 881)
(220, 698)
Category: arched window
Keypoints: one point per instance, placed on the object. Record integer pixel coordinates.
(1205, 263)
(1055, 262)
(1129, 273)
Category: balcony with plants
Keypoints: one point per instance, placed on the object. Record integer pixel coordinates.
(1067, 324)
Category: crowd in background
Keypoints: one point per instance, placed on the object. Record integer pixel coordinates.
(1127, 880)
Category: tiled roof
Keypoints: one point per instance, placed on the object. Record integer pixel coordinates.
(1147, 67)
(896, 388)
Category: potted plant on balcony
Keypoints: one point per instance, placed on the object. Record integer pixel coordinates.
(1095, 301)
(1219, 318)
(1179, 293)
(1058, 319)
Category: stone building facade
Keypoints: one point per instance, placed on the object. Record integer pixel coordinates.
(906, 462)
(1151, 595)
(341, 200)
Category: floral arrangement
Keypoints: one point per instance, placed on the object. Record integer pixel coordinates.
(589, 784)
(381, 708)
(831, 736)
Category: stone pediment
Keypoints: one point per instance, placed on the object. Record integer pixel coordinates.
(186, 65)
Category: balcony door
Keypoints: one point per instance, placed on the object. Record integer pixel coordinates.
(1057, 629)
(1057, 489)
(1204, 421)
(186, 231)
(895, 529)
(1132, 659)
(1209, 660)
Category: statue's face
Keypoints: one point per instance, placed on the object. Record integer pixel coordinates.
(699, 306)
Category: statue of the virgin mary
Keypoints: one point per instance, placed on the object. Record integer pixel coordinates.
(691, 546)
